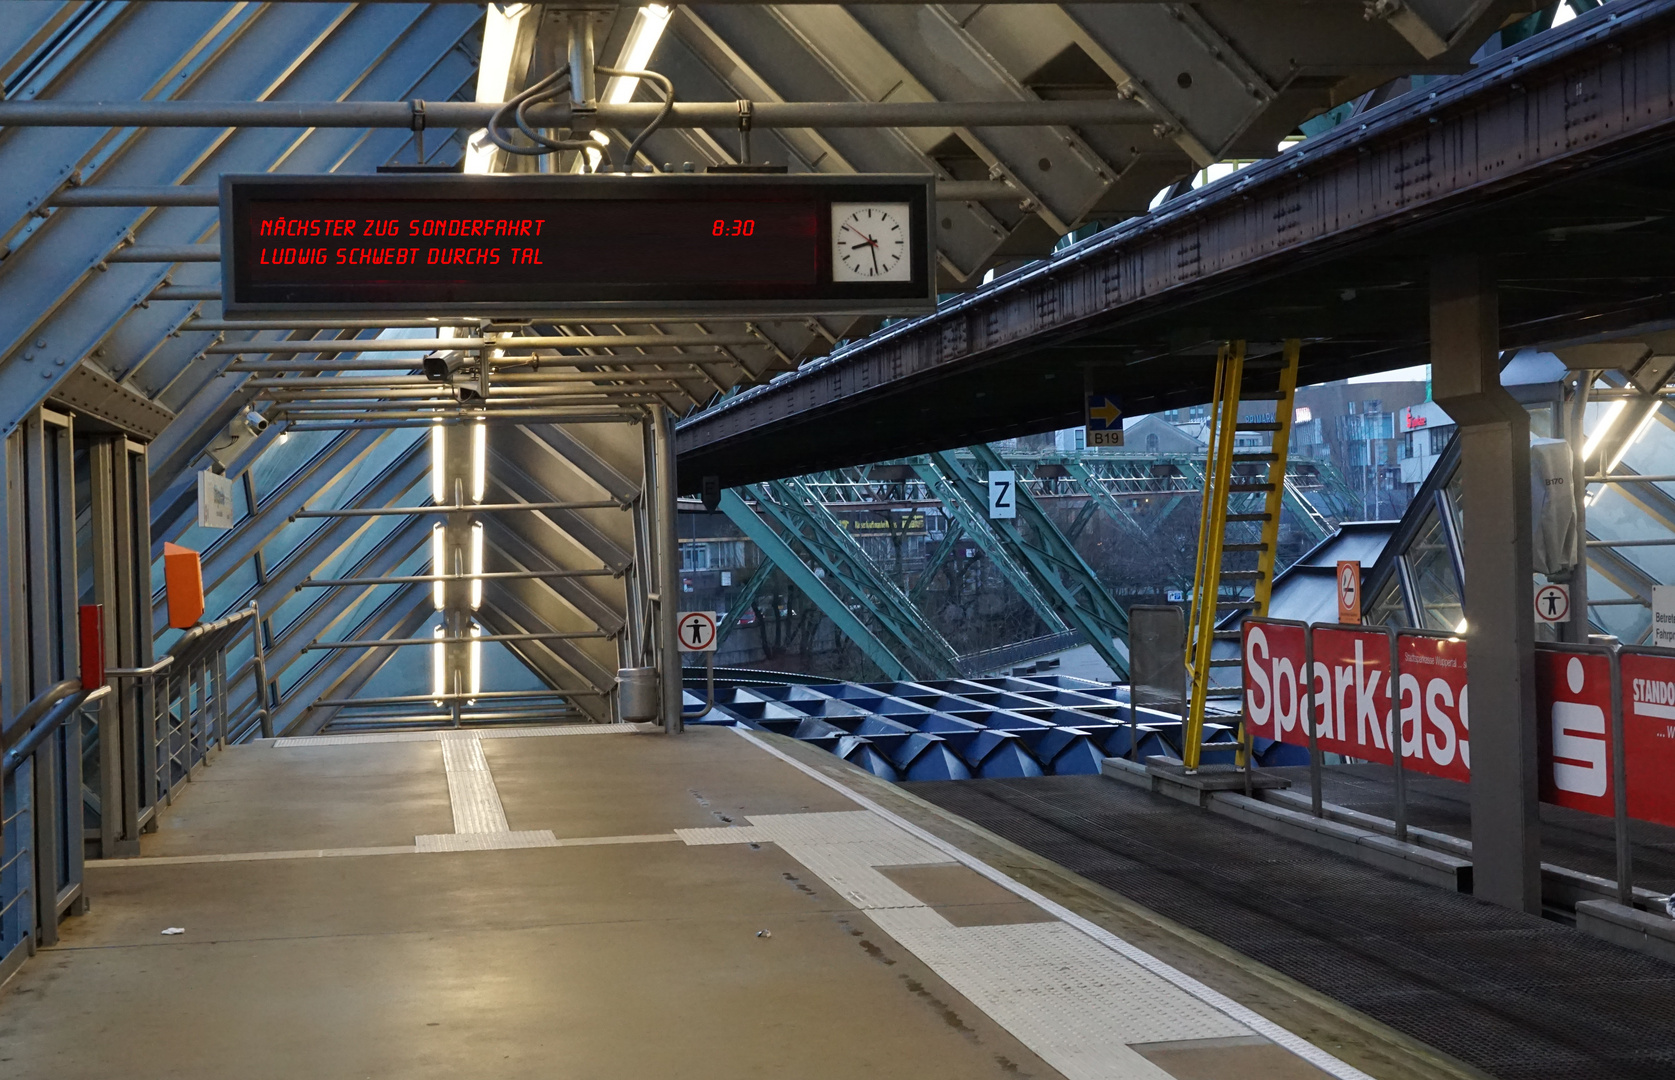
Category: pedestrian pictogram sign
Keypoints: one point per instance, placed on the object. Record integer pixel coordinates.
(696, 630)
(1349, 592)
(1552, 603)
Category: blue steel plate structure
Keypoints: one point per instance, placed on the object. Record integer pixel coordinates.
(957, 729)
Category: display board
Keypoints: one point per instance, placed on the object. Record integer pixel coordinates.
(527, 245)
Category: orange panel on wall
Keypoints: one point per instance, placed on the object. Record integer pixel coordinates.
(183, 584)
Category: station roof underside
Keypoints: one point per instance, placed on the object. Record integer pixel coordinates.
(1553, 159)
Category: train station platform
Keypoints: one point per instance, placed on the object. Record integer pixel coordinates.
(1499, 992)
(603, 901)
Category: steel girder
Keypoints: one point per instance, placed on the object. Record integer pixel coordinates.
(974, 522)
(936, 559)
(1131, 474)
(815, 586)
(343, 670)
(740, 601)
(58, 289)
(1055, 565)
(802, 519)
(1102, 498)
(241, 544)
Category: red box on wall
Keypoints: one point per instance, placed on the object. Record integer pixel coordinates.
(92, 626)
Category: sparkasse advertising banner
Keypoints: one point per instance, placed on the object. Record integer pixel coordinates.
(1352, 695)
(1351, 682)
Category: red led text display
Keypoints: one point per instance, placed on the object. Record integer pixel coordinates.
(541, 243)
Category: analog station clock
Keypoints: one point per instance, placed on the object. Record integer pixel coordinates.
(871, 242)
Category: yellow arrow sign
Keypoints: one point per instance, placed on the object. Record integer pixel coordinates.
(1107, 414)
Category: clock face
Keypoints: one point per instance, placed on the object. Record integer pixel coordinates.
(870, 242)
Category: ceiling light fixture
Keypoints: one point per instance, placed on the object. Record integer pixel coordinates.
(476, 565)
(1639, 433)
(438, 666)
(1606, 423)
(438, 565)
(479, 460)
(649, 23)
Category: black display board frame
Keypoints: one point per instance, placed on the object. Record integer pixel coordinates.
(584, 244)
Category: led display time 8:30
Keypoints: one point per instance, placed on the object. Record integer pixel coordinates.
(541, 243)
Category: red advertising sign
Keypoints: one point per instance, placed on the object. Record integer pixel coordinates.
(1352, 695)
(1434, 710)
(1649, 735)
(1275, 696)
(1351, 680)
(1573, 726)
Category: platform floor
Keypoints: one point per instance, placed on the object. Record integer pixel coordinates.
(1518, 997)
(629, 905)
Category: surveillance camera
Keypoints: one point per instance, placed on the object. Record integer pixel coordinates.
(255, 421)
(440, 366)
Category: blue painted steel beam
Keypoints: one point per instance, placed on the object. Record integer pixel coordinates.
(799, 514)
(972, 517)
(815, 588)
(1055, 565)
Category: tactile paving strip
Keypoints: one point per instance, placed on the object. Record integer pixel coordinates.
(738, 834)
(485, 841)
(471, 788)
(1075, 1003)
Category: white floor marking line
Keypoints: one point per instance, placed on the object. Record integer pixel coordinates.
(468, 842)
(1304, 1049)
(480, 733)
(247, 856)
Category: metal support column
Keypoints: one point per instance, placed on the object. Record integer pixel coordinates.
(1576, 411)
(1499, 576)
(668, 565)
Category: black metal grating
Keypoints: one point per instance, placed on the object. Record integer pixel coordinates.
(1569, 838)
(1516, 996)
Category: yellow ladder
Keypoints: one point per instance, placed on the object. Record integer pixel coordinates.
(1217, 588)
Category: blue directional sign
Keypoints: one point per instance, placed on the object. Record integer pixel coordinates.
(1104, 419)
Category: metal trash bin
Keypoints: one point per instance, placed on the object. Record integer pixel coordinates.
(638, 693)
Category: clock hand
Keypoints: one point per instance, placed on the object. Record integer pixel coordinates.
(875, 258)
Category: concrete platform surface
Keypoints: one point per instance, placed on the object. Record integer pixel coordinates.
(611, 904)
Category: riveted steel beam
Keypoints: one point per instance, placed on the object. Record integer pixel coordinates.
(1055, 565)
(1008, 360)
(814, 586)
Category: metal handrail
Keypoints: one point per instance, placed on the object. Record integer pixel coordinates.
(140, 672)
(33, 712)
(59, 711)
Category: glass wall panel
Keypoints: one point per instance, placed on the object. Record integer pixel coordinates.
(1432, 571)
